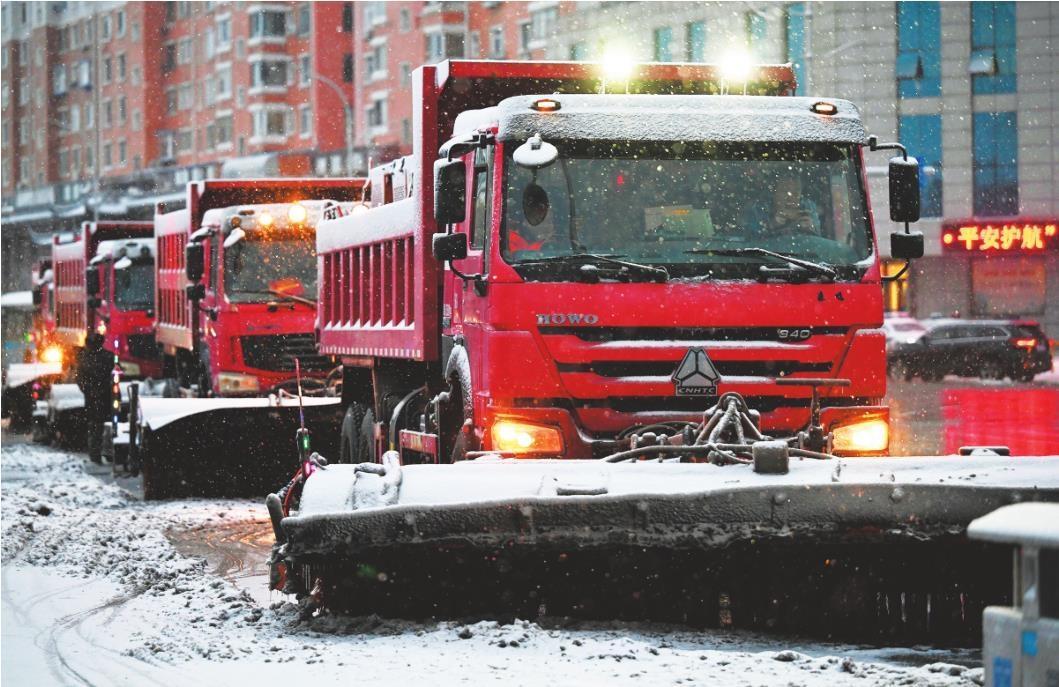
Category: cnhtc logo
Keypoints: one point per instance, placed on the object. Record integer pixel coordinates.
(696, 375)
(557, 318)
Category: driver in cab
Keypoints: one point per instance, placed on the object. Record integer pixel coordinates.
(535, 233)
(785, 210)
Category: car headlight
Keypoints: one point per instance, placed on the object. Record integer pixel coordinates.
(866, 436)
(525, 437)
(235, 383)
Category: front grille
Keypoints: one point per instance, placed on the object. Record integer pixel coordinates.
(604, 334)
(143, 346)
(727, 368)
(277, 353)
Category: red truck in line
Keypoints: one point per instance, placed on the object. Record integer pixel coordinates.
(236, 282)
(89, 294)
(556, 267)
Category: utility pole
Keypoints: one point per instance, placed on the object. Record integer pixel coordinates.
(348, 108)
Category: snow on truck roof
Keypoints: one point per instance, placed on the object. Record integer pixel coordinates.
(671, 118)
(118, 248)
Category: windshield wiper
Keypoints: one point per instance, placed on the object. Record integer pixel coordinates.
(289, 296)
(659, 273)
(822, 270)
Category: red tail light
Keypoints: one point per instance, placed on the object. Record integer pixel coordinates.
(1025, 343)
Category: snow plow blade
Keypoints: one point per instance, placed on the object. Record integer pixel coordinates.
(859, 548)
(223, 447)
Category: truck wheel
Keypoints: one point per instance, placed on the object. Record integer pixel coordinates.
(350, 439)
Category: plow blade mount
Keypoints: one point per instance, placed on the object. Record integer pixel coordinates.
(861, 549)
(226, 446)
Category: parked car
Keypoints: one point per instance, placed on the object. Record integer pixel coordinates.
(901, 328)
(990, 349)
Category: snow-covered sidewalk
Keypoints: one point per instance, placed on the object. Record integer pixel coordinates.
(94, 592)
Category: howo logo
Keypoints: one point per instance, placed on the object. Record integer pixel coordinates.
(556, 318)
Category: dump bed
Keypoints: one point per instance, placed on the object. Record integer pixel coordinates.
(379, 285)
(175, 326)
(70, 257)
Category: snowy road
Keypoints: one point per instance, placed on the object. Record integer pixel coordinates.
(100, 588)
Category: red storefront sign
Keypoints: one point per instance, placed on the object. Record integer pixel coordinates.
(1000, 236)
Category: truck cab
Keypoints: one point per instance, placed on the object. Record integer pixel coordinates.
(237, 289)
(122, 303)
(610, 262)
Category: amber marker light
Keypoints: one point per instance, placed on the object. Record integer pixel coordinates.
(296, 213)
(546, 105)
(525, 437)
(265, 219)
(52, 354)
(824, 108)
(866, 436)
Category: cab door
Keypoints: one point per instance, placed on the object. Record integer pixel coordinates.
(468, 301)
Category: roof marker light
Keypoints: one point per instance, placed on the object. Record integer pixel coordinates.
(824, 108)
(546, 105)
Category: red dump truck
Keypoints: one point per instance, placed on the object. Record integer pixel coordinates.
(236, 282)
(88, 297)
(566, 261)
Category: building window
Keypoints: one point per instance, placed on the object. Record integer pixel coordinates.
(121, 23)
(544, 22)
(796, 43)
(108, 114)
(347, 17)
(137, 120)
(377, 114)
(305, 21)
(122, 110)
(347, 67)
(525, 36)
(170, 101)
(121, 67)
(918, 49)
(474, 46)
(184, 141)
(305, 70)
(435, 46)
(108, 155)
(406, 131)
(90, 118)
(270, 123)
(406, 21)
(496, 42)
(75, 119)
(268, 24)
(268, 73)
(108, 69)
(406, 75)
(579, 51)
(663, 39)
(224, 33)
(222, 82)
(58, 83)
(996, 165)
(696, 41)
(375, 62)
(305, 115)
(222, 128)
(992, 63)
(185, 97)
(169, 57)
(136, 76)
(104, 29)
(122, 152)
(921, 134)
(184, 48)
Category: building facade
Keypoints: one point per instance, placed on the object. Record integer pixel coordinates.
(187, 90)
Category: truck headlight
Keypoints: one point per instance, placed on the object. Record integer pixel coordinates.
(52, 354)
(235, 383)
(867, 436)
(526, 437)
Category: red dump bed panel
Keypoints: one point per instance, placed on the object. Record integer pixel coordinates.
(69, 260)
(172, 312)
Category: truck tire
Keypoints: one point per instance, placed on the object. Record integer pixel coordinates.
(350, 439)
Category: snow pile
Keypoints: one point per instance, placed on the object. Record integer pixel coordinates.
(122, 600)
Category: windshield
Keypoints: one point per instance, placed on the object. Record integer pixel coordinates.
(671, 204)
(134, 286)
(262, 266)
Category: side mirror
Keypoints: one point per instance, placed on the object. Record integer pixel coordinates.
(449, 246)
(906, 246)
(195, 265)
(450, 191)
(92, 281)
(195, 292)
(904, 189)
